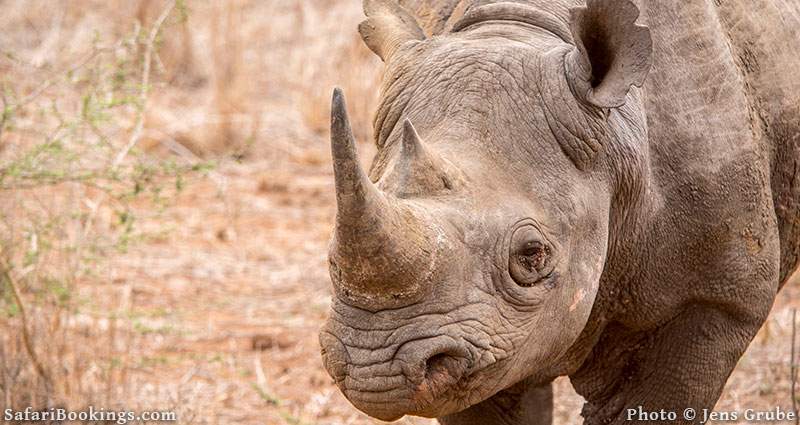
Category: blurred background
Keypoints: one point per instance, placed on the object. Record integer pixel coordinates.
(166, 204)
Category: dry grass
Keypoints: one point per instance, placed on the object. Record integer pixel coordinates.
(255, 78)
(160, 286)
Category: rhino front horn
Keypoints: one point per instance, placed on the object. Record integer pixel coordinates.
(381, 251)
(355, 193)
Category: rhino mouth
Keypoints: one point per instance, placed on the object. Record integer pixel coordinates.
(418, 377)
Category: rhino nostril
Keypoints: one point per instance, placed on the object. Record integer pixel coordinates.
(435, 365)
(434, 362)
(445, 367)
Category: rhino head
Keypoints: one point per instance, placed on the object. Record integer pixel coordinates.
(469, 258)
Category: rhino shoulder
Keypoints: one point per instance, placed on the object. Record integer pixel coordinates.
(765, 38)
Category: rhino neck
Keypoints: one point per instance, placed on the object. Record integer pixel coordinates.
(634, 204)
(627, 157)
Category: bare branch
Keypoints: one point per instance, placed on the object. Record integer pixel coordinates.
(26, 337)
(52, 80)
(136, 134)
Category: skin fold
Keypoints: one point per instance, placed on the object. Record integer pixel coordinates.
(607, 190)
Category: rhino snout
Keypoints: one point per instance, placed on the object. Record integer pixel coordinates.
(409, 378)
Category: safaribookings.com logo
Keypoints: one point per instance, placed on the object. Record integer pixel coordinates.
(120, 417)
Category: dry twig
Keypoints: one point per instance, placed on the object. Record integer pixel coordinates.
(26, 337)
(144, 88)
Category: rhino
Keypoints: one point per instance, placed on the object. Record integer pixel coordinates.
(607, 190)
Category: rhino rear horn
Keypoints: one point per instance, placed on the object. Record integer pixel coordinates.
(420, 170)
(387, 27)
(612, 52)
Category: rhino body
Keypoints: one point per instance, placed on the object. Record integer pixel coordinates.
(606, 190)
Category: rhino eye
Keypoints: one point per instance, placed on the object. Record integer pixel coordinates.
(533, 256)
(530, 256)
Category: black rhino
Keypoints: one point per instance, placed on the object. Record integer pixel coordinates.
(608, 190)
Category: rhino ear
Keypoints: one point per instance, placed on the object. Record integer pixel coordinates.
(387, 27)
(613, 53)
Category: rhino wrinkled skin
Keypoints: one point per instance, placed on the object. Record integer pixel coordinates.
(607, 190)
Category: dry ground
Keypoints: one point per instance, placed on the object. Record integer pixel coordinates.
(214, 311)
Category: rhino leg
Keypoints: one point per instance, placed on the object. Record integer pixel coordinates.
(522, 404)
(682, 365)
